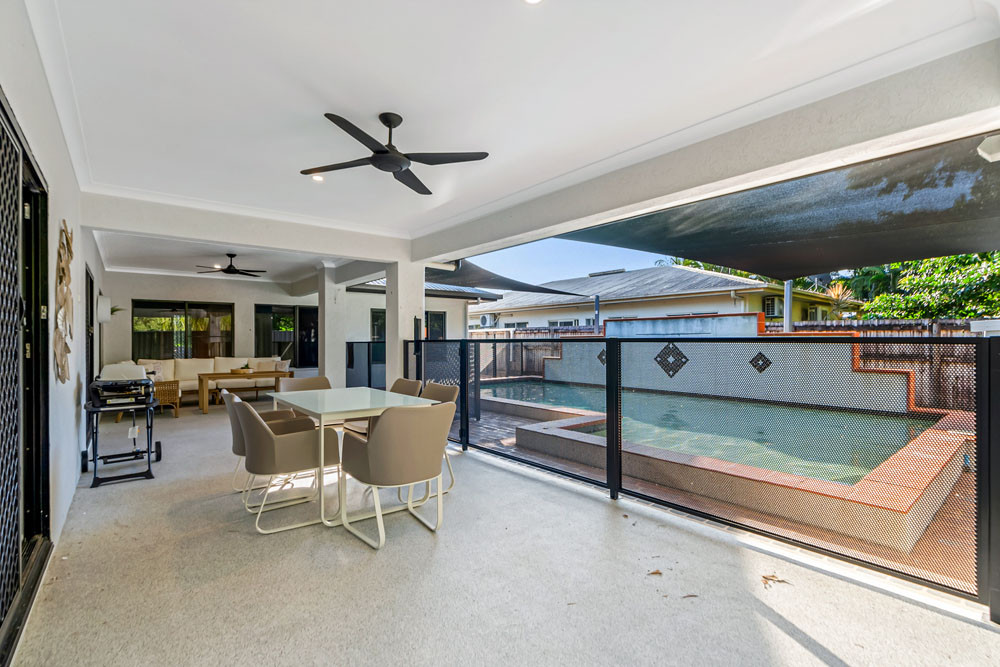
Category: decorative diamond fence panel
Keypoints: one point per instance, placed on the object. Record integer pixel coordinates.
(10, 364)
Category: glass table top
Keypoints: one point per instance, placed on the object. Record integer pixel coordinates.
(345, 402)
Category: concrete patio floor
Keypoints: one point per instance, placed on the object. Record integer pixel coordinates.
(528, 568)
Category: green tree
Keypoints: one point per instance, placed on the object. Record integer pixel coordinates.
(959, 286)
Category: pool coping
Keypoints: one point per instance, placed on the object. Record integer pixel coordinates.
(894, 485)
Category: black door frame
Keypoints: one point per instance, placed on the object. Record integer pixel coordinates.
(36, 544)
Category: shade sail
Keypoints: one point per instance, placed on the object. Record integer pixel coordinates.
(471, 275)
(931, 202)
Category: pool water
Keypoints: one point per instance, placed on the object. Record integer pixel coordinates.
(834, 445)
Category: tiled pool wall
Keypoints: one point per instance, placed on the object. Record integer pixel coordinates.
(825, 375)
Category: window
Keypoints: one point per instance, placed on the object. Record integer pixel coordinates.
(563, 323)
(181, 330)
(435, 327)
(589, 322)
(521, 325)
(289, 332)
(510, 325)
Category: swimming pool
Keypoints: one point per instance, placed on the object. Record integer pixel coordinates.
(835, 445)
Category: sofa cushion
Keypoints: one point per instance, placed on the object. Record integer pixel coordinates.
(192, 385)
(265, 382)
(166, 367)
(262, 364)
(227, 364)
(188, 369)
(235, 384)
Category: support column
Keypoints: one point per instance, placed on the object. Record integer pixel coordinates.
(404, 301)
(788, 328)
(332, 328)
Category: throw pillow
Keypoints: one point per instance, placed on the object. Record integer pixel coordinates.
(282, 365)
(263, 365)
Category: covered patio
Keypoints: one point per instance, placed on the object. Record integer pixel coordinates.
(215, 196)
(524, 561)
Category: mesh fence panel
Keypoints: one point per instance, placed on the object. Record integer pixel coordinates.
(865, 449)
(557, 423)
(10, 364)
(442, 364)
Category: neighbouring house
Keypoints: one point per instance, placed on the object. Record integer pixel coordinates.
(654, 292)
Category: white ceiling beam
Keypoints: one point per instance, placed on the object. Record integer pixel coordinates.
(944, 99)
(136, 216)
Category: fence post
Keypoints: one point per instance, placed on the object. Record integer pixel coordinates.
(613, 404)
(988, 469)
(463, 392)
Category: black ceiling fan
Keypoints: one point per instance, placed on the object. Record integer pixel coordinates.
(387, 157)
(231, 270)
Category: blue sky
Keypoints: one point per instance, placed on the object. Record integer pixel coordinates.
(554, 259)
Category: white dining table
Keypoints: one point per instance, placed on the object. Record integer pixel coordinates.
(330, 406)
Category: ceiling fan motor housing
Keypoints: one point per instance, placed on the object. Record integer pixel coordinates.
(390, 161)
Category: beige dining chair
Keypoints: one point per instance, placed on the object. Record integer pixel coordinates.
(400, 386)
(280, 449)
(443, 393)
(404, 448)
(315, 383)
(239, 448)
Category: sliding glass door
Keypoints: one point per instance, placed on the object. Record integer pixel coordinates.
(289, 332)
(181, 330)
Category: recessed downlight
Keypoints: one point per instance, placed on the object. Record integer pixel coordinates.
(533, 2)
(317, 178)
(216, 266)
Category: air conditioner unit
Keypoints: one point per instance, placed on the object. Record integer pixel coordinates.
(774, 306)
(488, 321)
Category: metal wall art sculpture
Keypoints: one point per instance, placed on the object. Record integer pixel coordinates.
(64, 304)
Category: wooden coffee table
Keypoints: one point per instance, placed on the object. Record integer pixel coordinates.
(203, 379)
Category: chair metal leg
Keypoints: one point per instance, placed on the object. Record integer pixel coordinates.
(451, 472)
(269, 531)
(374, 544)
(412, 509)
(284, 480)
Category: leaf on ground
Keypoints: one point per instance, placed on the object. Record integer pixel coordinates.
(689, 595)
(656, 573)
(624, 516)
(569, 604)
(769, 579)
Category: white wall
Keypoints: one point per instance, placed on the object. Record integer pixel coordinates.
(750, 303)
(244, 295)
(24, 83)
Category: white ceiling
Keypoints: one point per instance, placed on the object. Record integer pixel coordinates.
(191, 101)
(144, 254)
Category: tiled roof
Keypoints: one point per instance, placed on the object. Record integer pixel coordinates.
(642, 283)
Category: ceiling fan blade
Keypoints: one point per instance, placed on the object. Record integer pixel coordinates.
(410, 180)
(253, 270)
(212, 271)
(446, 158)
(340, 165)
(240, 272)
(369, 141)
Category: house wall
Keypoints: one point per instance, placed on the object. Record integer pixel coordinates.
(24, 84)
(712, 304)
(244, 295)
